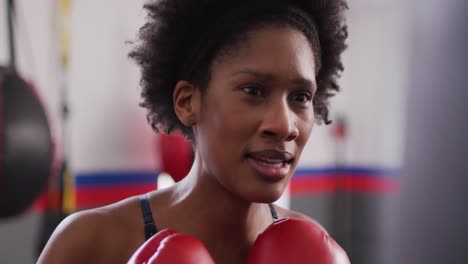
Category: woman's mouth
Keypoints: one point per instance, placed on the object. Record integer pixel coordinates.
(269, 167)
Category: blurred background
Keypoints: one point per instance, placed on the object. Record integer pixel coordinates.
(375, 178)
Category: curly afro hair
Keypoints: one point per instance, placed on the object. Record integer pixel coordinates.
(181, 38)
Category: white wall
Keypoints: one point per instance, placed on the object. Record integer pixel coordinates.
(373, 90)
(109, 130)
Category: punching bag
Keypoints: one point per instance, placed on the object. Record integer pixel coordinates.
(176, 155)
(26, 147)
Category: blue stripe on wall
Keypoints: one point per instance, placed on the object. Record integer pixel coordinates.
(115, 178)
(141, 177)
(333, 171)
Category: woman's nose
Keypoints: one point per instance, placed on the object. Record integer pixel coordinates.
(280, 123)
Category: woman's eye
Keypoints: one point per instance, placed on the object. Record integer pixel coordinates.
(302, 97)
(252, 90)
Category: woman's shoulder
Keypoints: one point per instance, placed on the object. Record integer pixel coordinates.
(286, 213)
(94, 235)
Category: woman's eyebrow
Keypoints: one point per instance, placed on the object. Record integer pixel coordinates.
(304, 82)
(299, 80)
(256, 74)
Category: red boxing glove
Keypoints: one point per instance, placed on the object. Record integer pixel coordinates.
(145, 251)
(168, 246)
(296, 241)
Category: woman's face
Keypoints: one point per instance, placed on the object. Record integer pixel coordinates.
(256, 114)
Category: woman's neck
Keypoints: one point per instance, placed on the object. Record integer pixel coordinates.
(212, 213)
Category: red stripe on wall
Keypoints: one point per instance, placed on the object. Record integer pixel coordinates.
(90, 197)
(369, 185)
(301, 186)
(351, 183)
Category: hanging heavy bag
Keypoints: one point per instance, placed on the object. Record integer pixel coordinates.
(26, 147)
(26, 150)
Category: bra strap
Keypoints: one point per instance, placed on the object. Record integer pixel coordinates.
(273, 212)
(150, 228)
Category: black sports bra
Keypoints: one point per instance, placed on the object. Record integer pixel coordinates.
(150, 227)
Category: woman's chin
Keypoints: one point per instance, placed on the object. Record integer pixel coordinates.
(266, 196)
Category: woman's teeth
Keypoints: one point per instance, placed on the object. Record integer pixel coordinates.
(277, 164)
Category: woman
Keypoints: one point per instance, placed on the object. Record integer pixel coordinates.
(243, 80)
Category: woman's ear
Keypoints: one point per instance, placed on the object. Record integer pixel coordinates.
(186, 102)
